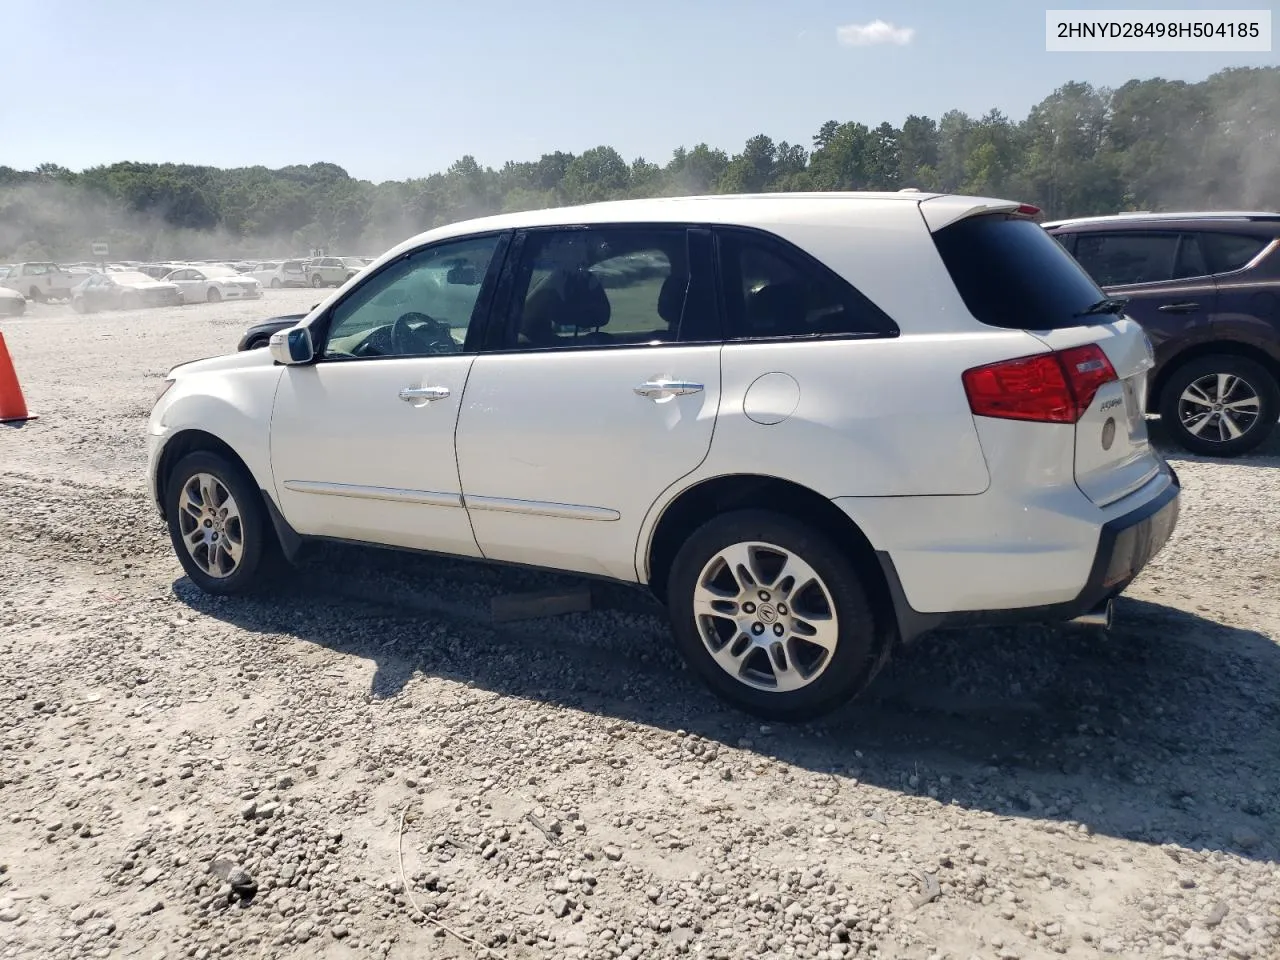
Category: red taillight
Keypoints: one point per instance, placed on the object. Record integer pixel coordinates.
(1027, 210)
(1049, 387)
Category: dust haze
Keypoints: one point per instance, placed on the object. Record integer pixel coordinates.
(1147, 145)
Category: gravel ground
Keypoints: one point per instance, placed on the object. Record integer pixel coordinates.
(183, 776)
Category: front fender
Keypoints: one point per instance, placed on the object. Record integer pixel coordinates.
(234, 409)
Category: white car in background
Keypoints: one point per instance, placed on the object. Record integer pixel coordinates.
(281, 273)
(816, 426)
(40, 280)
(12, 303)
(213, 283)
(333, 271)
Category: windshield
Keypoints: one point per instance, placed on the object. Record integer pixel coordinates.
(128, 276)
(1012, 274)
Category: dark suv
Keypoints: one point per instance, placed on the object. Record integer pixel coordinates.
(1206, 287)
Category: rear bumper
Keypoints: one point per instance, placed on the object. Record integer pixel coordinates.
(1126, 543)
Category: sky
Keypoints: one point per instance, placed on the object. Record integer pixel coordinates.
(390, 89)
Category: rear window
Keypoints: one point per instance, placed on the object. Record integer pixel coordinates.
(1012, 274)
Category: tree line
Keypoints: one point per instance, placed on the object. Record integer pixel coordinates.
(1149, 144)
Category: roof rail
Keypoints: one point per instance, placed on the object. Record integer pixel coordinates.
(1172, 215)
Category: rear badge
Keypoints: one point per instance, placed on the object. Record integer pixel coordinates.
(1108, 433)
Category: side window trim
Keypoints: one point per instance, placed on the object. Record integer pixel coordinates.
(787, 251)
(481, 313)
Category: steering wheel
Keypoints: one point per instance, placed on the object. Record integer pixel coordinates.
(429, 336)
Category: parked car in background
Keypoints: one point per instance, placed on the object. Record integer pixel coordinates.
(332, 271)
(40, 280)
(78, 274)
(816, 426)
(12, 303)
(259, 334)
(281, 273)
(121, 290)
(1206, 289)
(213, 283)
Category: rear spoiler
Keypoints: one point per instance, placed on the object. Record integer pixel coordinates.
(939, 212)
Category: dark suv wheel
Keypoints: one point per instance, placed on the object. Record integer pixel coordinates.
(1220, 405)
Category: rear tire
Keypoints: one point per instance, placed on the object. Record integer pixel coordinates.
(36, 295)
(317, 281)
(791, 648)
(1246, 397)
(219, 526)
(275, 283)
(213, 296)
(79, 305)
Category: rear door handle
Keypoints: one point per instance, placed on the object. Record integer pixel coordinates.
(419, 394)
(658, 389)
(1187, 307)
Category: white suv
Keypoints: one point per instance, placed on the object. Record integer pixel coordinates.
(814, 425)
(332, 271)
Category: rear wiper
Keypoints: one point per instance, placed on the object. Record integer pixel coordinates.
(1105, 305)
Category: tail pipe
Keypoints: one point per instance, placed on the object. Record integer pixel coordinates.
(1099, 616)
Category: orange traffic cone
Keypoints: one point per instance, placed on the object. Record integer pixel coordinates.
(13, 409)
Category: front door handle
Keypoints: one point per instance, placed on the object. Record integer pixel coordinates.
(1187, 307)
(421, 394)
(659, 389)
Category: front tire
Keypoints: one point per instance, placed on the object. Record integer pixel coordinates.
(772, 615)
(35, 295)
(213, 295)
(317, 281)
(275, 283)
(218, 525)
(1220, 405)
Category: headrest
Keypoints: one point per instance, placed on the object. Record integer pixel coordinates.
(671, 298)
(585, 304)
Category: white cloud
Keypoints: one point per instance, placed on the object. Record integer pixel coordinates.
(877, 31)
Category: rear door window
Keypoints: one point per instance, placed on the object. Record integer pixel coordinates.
(1119, 259)
(1012, 274)
(1230, 251)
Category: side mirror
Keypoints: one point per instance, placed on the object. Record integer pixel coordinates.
(292, 346)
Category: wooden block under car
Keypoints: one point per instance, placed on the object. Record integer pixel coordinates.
(539, 603)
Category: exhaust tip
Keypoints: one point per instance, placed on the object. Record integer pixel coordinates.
(1100, 616)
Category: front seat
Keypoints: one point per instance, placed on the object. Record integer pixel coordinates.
(542, 307)
(586, 307)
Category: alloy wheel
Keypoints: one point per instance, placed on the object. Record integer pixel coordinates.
(766, 616)
(211, 526)
(1219, 407)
